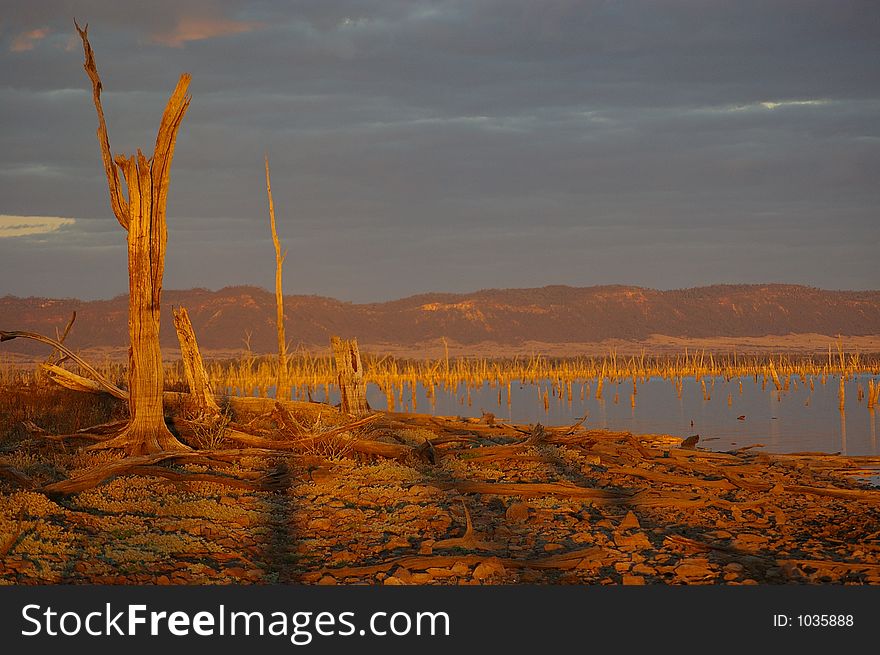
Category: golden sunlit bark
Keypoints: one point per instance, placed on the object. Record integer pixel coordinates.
(282, 386)
(350, 376)
(143, 216)
(201, 398)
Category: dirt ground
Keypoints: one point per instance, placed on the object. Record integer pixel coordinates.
(563, 505)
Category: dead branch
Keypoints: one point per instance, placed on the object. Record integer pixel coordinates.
(108, 386)
(470, 541)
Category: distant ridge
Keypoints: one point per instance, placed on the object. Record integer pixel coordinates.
(554, 314)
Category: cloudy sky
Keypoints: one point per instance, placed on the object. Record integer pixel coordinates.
(451, 145)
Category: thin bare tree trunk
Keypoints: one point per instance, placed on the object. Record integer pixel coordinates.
(282, 386)
(143, 216)
(350, 376)
(201, 398)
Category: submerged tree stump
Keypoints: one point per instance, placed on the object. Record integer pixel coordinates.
(350, 376)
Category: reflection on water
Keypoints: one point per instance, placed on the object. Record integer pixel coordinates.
(726, 414)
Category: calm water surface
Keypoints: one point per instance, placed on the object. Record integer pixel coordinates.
(794, 420)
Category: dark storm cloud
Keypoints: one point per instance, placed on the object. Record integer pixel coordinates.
(457, 145)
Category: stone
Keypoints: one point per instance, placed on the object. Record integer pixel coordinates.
(488, 568)
(694, 568)
(644, 569)
(460, 568)
(632, 541)
(517, 512)
(633, 580)
(439, 573)
(630, 521)
(320, 524)
(327, 580)
(747, 541)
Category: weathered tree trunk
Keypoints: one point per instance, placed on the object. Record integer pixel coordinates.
(201, 397)
(282, 385)
(350, 376)
(143, 216)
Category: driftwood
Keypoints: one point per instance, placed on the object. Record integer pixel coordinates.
(666, 478)
(562, 561)
(469, 541)
(13, 474)
(532, 489)
(108, 386)
(97, 475)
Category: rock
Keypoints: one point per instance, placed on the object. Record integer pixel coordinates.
(320, 524)
(629, 521)
(235, 572)
(517, 512)
(747, 541)
(402, 574)
(460, 569)
(693, 569)
(549, 548)
(342, 557)
(487, 568)
(321, 475)
(440, 573)
(422, 578)
(735, 567)
(396, 542)
(631, 541)
(163, 579)
(427, 547)
(327, 580)
(392, 581)
(644, 569)
(633, 580)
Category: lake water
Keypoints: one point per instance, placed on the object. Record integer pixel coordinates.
(798, 419)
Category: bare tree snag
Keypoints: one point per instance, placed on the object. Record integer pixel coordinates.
(143, 216)
(200, 394)
(350, 376)
(282, 386)
(102, 382)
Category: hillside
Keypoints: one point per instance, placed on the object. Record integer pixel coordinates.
(226, 319)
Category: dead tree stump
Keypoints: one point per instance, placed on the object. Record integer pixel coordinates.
(350, 376)
(201, 396)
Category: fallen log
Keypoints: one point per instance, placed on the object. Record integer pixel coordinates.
(668, 478)
(528, 489)
(16, 476)
(563, 561)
